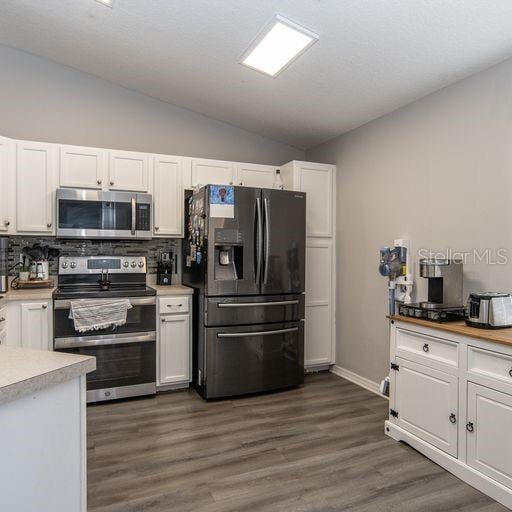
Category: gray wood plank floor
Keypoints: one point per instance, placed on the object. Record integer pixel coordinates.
(317, 448)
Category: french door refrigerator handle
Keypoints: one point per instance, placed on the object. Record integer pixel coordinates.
(134, 215)
(256, 333)
(259, 236)
(267, 242)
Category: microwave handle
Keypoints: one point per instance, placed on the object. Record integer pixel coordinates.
(134, 215)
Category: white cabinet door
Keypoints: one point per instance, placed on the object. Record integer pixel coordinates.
(254, 175)
(168, 198)
(36, 171)
(128, 171)
(426, 401)
(317, 180)
(489, 421)
(35, 325)
(3, 337)
(174, 349)
(81, 167)
(319, 328)
(7, 185)
(216, 172)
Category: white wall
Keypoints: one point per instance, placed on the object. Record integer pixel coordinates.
(42, 100)
(438, 171)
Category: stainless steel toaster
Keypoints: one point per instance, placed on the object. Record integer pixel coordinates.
(489, 310)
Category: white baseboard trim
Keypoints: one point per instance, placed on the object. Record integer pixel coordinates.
(357, 379)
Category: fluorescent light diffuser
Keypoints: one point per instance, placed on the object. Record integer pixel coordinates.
(278, 45)
(108, 3)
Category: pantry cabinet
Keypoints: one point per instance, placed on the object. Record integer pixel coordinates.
(128, 171)
(254, 175)
(451, 399)
(30, 324)
(7, 185)
(168, 196)
(36, 171)
(82, 167)
(174, 341)
(216, 172)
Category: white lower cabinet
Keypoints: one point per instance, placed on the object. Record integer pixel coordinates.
(426, 404)
(489, 425)
(30, 324)
(174, 354)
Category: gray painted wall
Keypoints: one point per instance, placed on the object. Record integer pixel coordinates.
(439, 172)
(45, 101)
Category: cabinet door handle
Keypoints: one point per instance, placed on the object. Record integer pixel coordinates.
(453, 418)
(470, 427)
(45, 306)
(98, 182)
(49, 225)
(111, 183)
(510, 372)
(426, 348)
(7, 222)
(2, 319)
(156, 228)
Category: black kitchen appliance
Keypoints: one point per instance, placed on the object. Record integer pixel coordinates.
(125, 355)
(166, 268)
(245, 257)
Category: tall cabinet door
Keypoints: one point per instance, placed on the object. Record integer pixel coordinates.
(168, 196)
(7, 185)
(425, 400)
(35, 325)
(319, 339)
(284, 247)
(35, 185)
(489, 449)
(174, 349)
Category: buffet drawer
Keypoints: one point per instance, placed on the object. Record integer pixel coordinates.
(426, 349)
(490, 364)
(173, 304)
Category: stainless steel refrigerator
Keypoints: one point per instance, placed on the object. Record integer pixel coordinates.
(244, 253)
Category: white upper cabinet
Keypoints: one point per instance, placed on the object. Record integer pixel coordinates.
(216, 172)
(82, 167)
(317, 180)
(128, 171)
(36, 170)
(7, 185)
(254, 175)
(168, 198)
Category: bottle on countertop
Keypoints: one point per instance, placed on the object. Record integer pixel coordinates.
(278, 182)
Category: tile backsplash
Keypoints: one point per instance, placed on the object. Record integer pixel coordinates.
(149, 248)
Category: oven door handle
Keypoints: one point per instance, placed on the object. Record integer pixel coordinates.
(143, 301)
(247, 334)
(98, 341)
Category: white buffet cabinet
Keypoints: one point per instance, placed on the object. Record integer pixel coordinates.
(451, 399)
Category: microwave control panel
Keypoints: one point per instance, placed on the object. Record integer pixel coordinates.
(143, 217)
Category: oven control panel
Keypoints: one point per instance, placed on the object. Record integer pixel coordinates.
(102, 264)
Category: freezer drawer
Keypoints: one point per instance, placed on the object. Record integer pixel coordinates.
(251, 359)
(259, 309)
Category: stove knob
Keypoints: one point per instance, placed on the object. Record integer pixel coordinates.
(126, 264)
(73, 264)
(134, 264)
(141, 263)
(64, 264)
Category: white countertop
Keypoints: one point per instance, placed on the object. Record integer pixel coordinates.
(28, 294)
(24, 371)
(173, 289)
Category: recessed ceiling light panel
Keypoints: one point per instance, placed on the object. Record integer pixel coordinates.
(277, 46)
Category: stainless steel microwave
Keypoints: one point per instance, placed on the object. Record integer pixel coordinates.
(85, 213)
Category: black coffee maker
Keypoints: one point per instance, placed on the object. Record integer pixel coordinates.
(166, 267)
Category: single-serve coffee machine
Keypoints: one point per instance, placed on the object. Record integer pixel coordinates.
(444, 291)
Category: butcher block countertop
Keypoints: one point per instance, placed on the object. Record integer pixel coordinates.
(24, 371)
(503, 336)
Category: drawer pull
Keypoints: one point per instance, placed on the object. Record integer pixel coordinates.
(426, 348)
(174, 305)
(470, 427)
(453, 418)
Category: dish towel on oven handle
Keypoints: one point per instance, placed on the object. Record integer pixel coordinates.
(94, 314)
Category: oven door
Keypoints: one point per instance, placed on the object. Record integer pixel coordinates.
(140, 318)
(125, 364)
(95, 214)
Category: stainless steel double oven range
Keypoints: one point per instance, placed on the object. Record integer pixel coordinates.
(125, 355)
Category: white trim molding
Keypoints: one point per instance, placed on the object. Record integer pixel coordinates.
(365, 383)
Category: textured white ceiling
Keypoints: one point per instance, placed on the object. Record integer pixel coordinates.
(372, 56)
